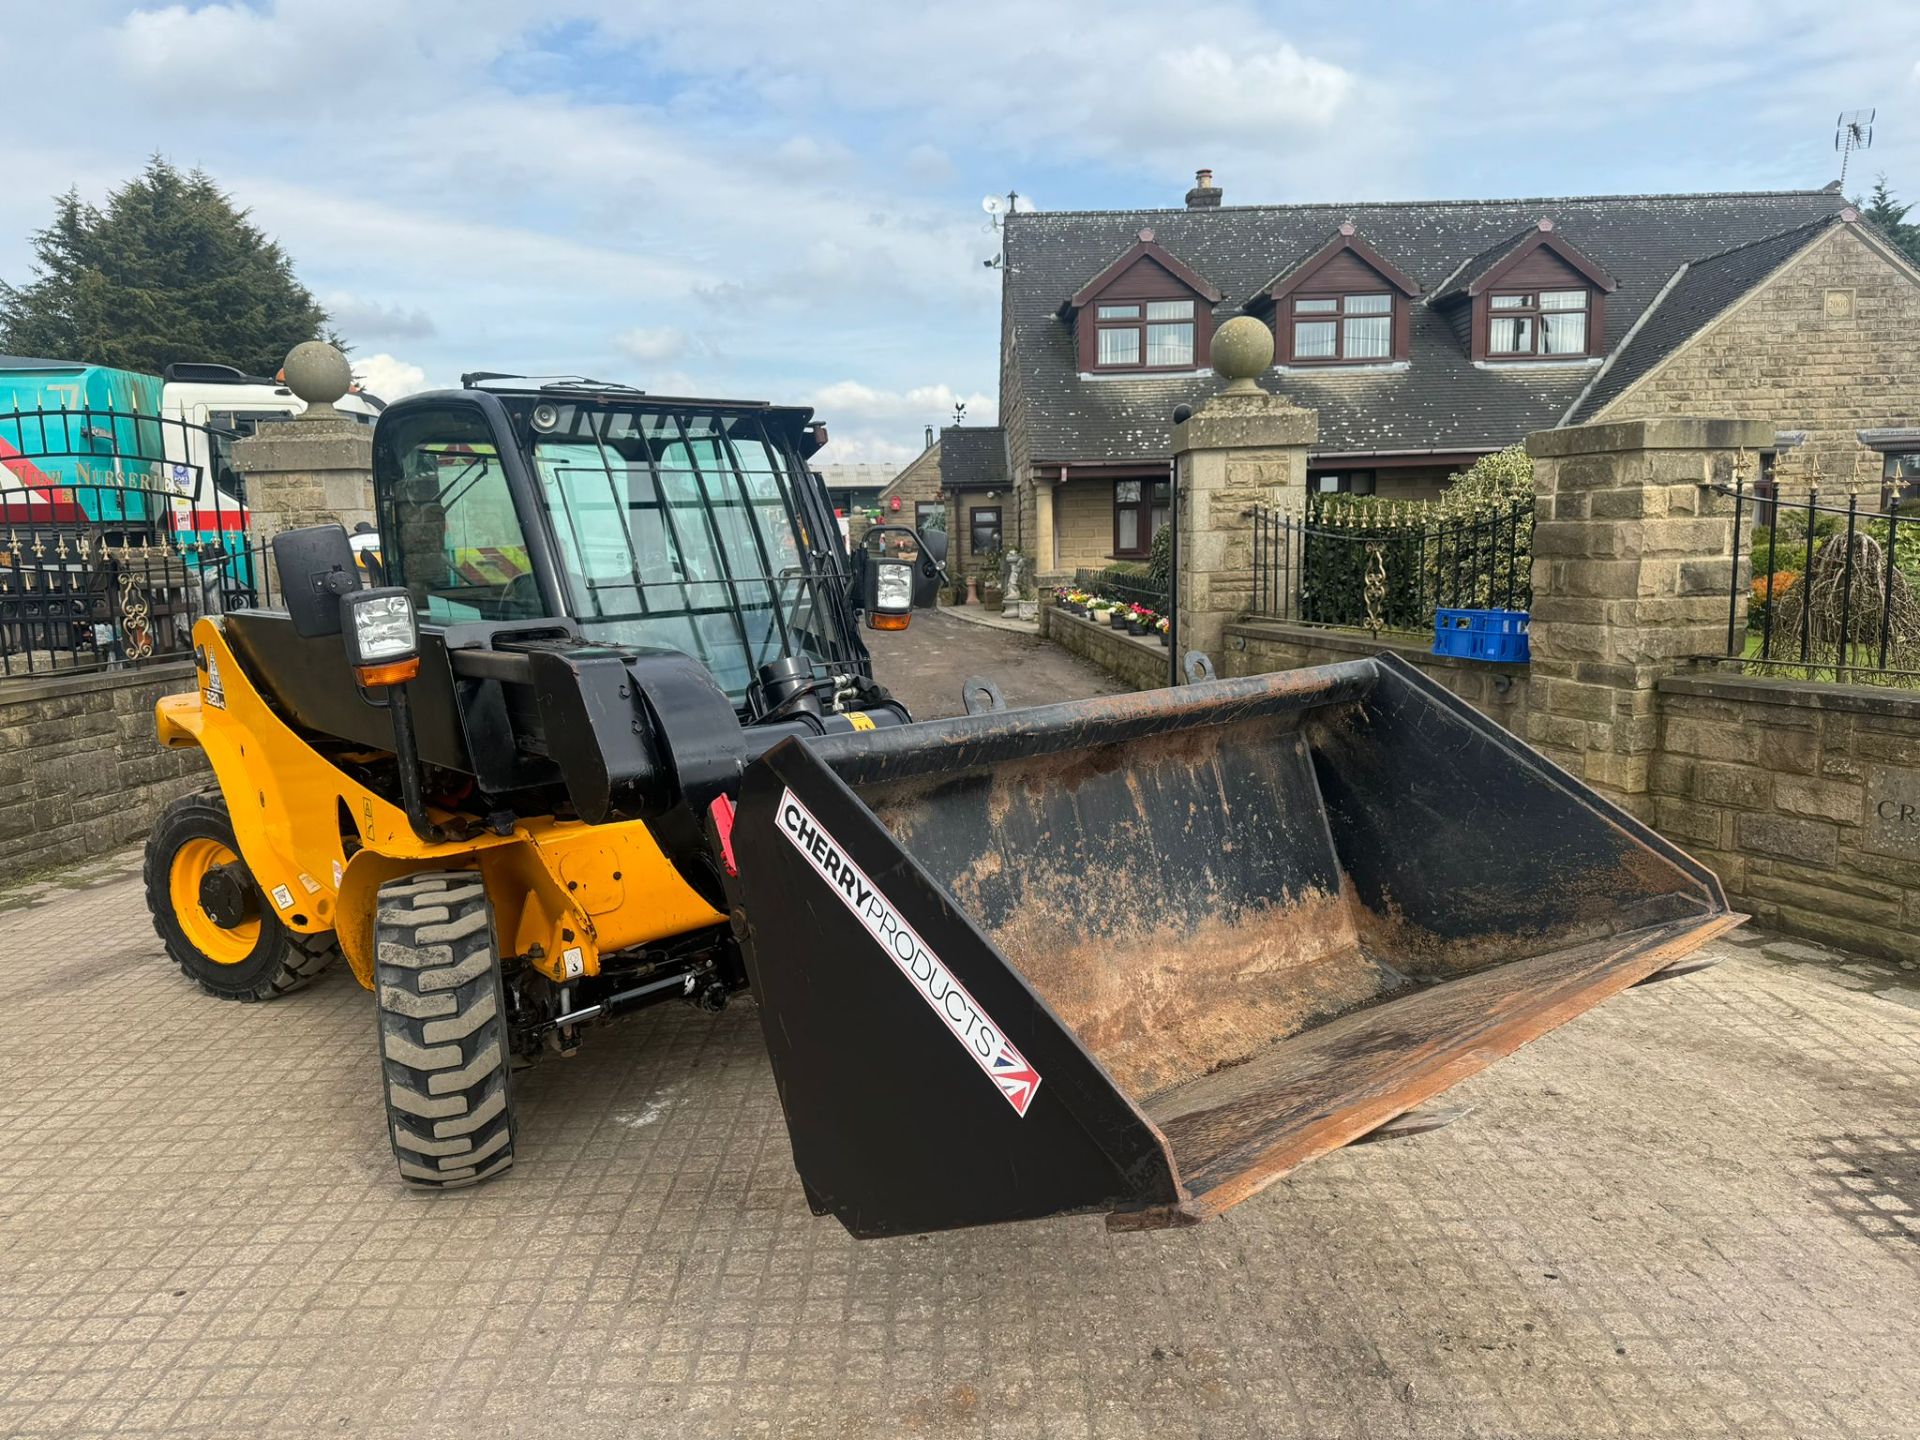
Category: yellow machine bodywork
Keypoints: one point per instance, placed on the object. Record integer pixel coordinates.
(563, 892)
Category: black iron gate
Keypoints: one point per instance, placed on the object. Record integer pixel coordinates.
(117, 531)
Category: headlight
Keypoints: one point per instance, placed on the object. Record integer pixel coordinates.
(895, 590)
(382, 640)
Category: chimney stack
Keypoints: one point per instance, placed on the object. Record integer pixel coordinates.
(1205, 195)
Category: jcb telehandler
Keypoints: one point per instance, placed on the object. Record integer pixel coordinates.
(611, 736)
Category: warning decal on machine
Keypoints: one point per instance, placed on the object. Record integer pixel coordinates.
(996, 1056)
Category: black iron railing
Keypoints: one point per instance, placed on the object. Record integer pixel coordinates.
(1389, 568)
(1135, 587)
(1824, 591)
(83, 598)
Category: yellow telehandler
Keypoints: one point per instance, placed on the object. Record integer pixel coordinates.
(608, 735)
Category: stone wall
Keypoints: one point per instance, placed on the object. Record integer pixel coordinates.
(1083, 524)
(308, 472)
(1138, 661)
(920, 481)
(80, 770)
(1632, 564)
(1826, 346)
(1242, 448)
(1804, 798)
(1260, 647)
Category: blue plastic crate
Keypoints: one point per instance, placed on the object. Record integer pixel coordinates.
(1494, 635)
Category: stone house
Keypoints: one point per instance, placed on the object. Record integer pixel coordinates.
(961, 478)
(1426, 335)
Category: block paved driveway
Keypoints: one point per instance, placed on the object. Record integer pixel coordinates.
(1693, 1212)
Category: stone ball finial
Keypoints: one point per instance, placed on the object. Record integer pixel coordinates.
(1242, 349)
(319, 374)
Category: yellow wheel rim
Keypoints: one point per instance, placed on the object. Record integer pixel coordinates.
(191, 862)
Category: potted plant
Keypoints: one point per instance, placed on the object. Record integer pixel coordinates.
(1164, 625)
(1139, 617)
(1098, 609)
(1122, 612)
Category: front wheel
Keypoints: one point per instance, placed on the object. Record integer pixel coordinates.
(210, 915)
(443, 1029)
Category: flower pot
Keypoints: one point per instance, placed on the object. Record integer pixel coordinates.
(972, 596)
(991, 596)
(1119, 620)
(1136, 627)
(1166, 640)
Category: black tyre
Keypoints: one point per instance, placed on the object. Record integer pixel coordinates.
(242, 952)
(443, 1029)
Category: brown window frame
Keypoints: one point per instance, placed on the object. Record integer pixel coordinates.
(1533, 312)
(1338, 318)
(1155, 495)
(1139, 325)
(973, 512)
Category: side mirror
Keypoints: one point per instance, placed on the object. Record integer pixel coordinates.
(932, 568)
(382, 638)
(316, 568)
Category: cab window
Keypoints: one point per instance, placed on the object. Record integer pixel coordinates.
(454, 538)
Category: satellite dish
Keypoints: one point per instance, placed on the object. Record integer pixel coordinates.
(991, 204)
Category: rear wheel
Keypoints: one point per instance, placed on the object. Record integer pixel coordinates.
(443, 1029)
(210, 915)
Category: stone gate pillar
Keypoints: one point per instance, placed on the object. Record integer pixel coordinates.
(316, 468)
(1632, 568)
(1243, 447)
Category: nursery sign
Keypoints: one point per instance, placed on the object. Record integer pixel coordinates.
(1012, 1076)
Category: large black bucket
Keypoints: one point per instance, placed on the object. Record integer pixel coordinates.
(1145, 954)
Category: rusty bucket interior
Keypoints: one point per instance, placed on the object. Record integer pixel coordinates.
(1274, 913)
(1276, 929)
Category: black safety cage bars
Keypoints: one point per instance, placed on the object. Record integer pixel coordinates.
(809, 601)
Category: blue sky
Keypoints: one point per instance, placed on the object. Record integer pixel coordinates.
(783, 201)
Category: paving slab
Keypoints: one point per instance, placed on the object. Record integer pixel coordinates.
(1694, 1211)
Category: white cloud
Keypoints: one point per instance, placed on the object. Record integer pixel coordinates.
(863, 447)
(359, 321)
(794, 190)
(923, 404)
(389, 378)
(651, 344)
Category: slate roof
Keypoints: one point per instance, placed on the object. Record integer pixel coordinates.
(974, 455)
(1442, 401)
(1694, 298)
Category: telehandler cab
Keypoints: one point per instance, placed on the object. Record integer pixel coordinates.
(611, 737)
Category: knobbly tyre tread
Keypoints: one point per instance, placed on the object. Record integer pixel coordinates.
(286, 959)
(442, 1014)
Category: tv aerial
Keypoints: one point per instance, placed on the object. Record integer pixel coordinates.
(1852, 131)
(998, 207)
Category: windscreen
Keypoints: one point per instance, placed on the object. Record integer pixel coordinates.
(680, 529)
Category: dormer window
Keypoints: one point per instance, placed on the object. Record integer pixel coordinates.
(1533, 296)
(1537, 322)
(1145, 312)
(1344, 304)
(1342, 327)
(1148, 334)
